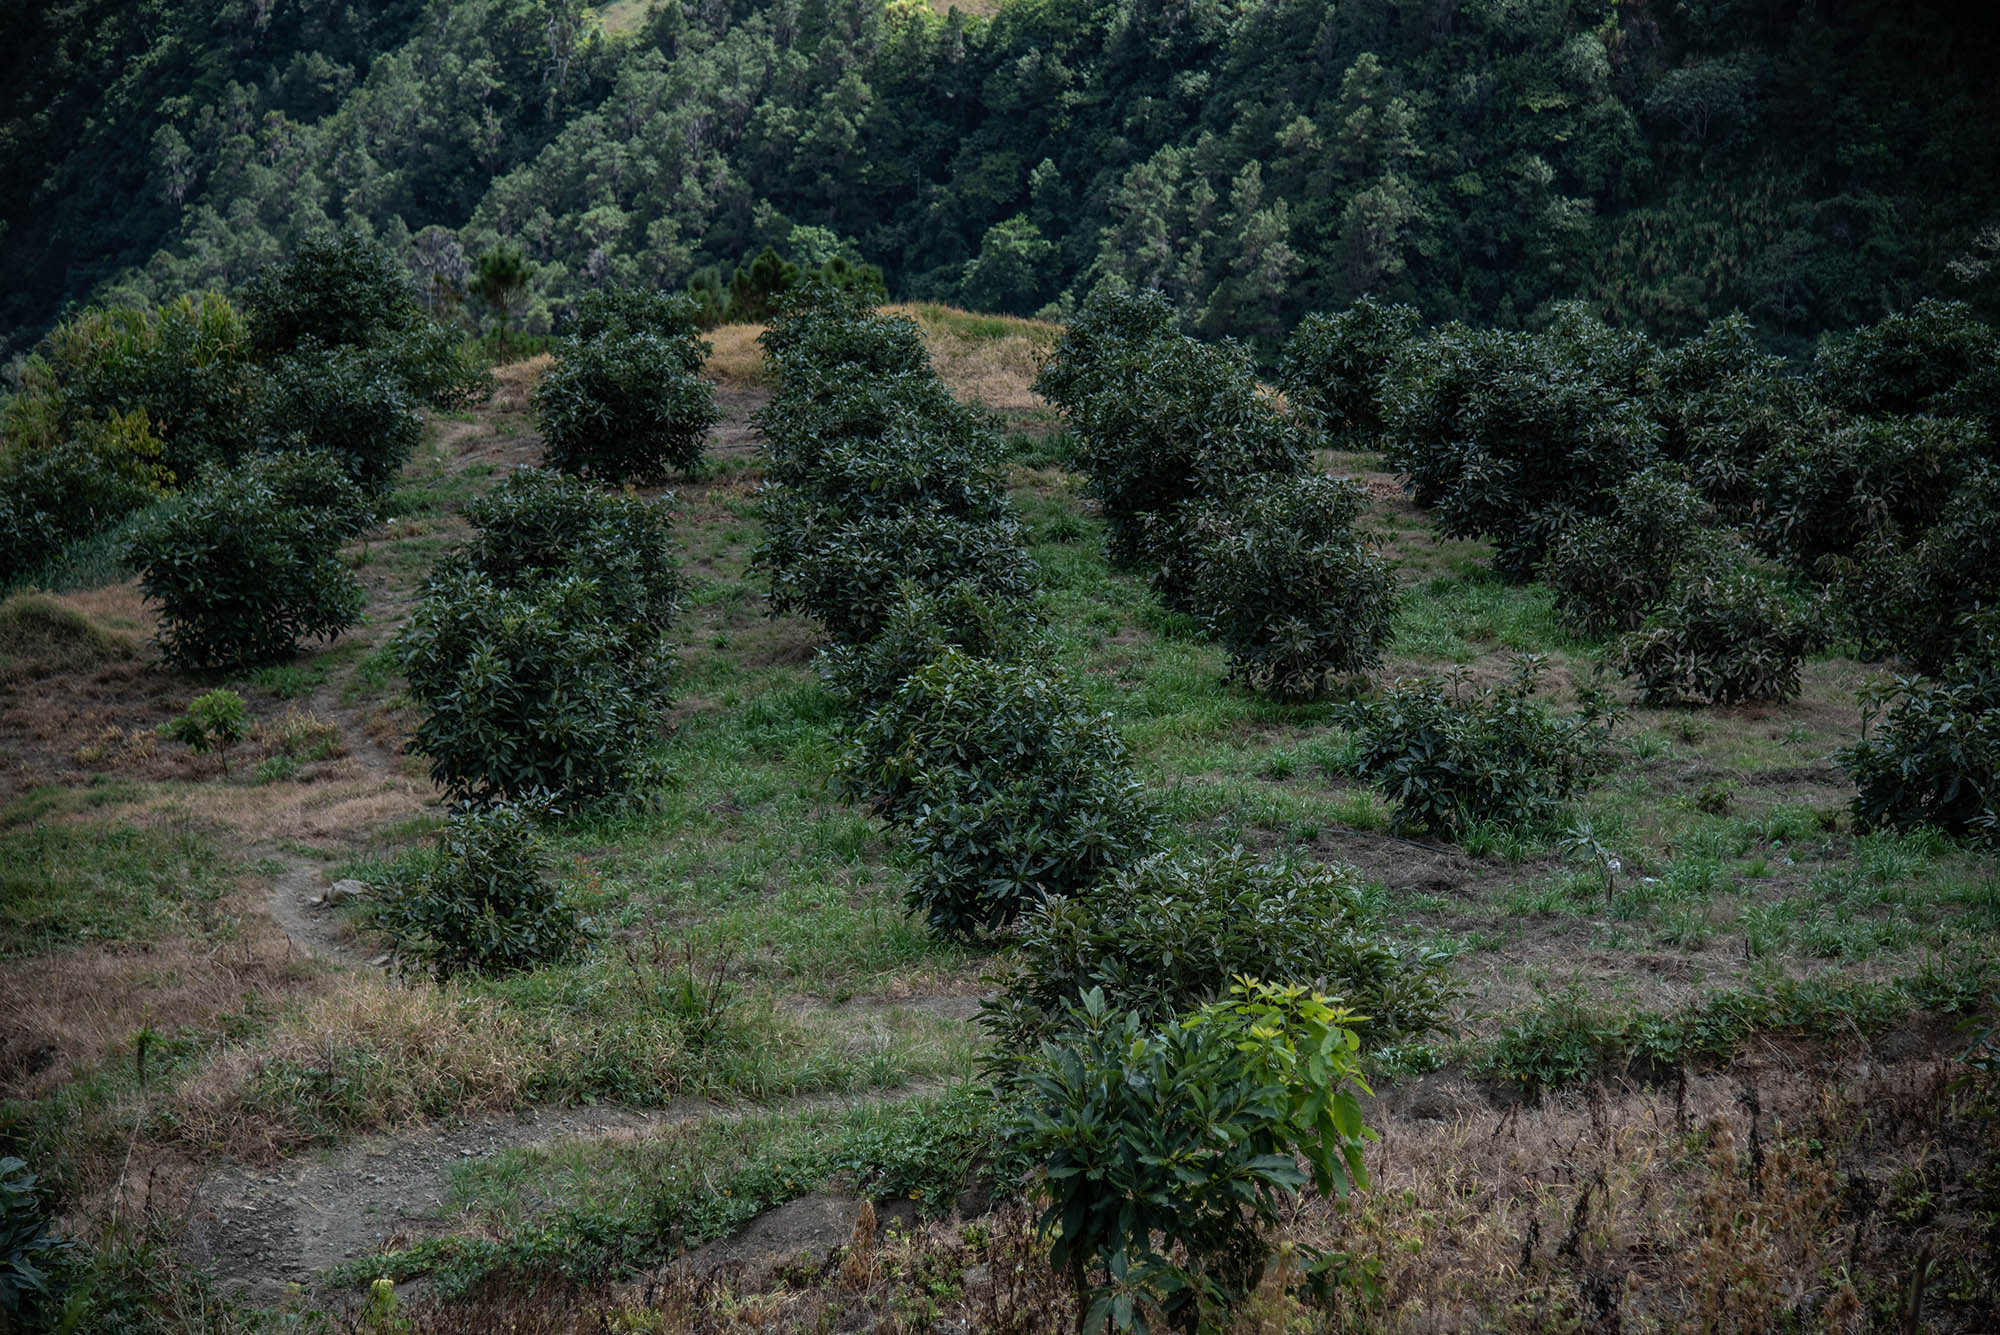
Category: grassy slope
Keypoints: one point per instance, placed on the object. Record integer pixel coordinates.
(162, 1019)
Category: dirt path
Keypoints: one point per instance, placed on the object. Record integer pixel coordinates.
(296, 902)
(258, 1231)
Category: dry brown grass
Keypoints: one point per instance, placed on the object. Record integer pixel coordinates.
(62, 1015)
(975, 9)
(1799, 1192)
(402, 1054)
(514, 382)
(986, 359)
(44, 634)
(736, 362)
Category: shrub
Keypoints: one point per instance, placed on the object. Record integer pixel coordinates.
(1884, 479)
(1087, 354)
(80, 485)
(1725, 634)
(337, 289)
(831, 334)
(1449, 761)
(241, 570)
(1723, 405)
(1012, 790)
(1172, 932)
(1289, 589)
(1179, 422)
(529, 689)
(184, 365)
(905, 465)
(1920, 602)
(215, 721)
(1336, 366)
(345, 403)
(1189, 1133)
(1937, 357)
(848, 572)
(436, 363)
(1514, 436)
(315, 482)
(1933, 756)
(619, 312)
(624, 409)
(487, 904)
(1609, 572)
(815, 418)
(919, 625)
(540, 526)
(31, 1251)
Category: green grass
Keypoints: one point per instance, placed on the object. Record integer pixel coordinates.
(87, 563)
(69, 885)
(592, 1210)
(1458, 620)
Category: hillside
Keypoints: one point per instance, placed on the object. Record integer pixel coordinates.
(1650, 1057)
(1812, 164)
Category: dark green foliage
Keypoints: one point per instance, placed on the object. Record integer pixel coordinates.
(1289, 589)
(1918, 602)
(1176, 421)
(1609, 572)
(529, 689)
(920, 625)
(1448, 759)
(184, 366)
(618, 312)
(347, 403)
(624, 409)
(823, 334)
(1724, 633)
(1111, 326)
(1172, 932)
(1012, 790)
(1723, 404)
(913, 461)
(31, 1251)
(754, 289)
(247, 563)
(1010, 272)
(52, 495)
(497, 280)
(337, 289)
(1816, 166)
(820, 410)
(1873, 478)
(1930, 753)
(854, 514)
(1336, 366)
(848, 572)
(767, 285)
(313, 481)
(1936, 358)
(1170, 1148)
(436, 363)
(1514, 437)
(486, 904)
(543, 526)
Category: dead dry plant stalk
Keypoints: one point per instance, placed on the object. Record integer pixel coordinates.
(860, 1268)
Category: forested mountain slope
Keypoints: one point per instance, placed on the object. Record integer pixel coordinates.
(1813, 164)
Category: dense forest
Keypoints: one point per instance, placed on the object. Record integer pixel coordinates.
(1815, 165)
